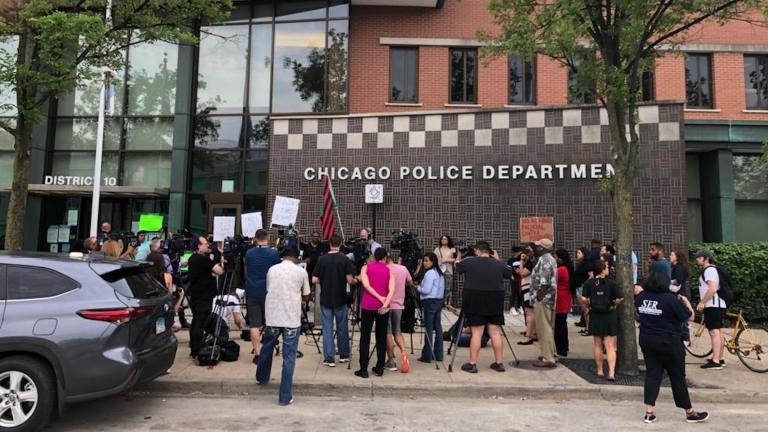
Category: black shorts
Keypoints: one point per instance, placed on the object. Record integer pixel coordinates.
(475, 320)
(255, 309)
(713, 318)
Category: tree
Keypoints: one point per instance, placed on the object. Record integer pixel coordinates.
(65, 43)
(608, 44)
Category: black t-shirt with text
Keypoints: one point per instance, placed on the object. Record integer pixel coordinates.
(202, 285)
(332, 270)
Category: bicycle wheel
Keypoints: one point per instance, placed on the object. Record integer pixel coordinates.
(752, 348)
(700, 344)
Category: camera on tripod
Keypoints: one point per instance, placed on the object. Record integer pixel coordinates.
(359, 248)
(466, 249)
(233, 249)
(409, 245)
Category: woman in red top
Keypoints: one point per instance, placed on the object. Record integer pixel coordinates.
(564, 300)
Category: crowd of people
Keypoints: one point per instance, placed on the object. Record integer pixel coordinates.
(539, 282)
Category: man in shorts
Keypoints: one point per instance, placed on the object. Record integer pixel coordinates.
(483, 302)
(258, 260)
(395, 334)
(712, 306)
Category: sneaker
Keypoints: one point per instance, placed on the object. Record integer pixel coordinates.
(329, 363)
(344, 360)
(712, 365)
(722, 363)
(255, 359)
(469, 367)
(649, 418)
(361, 373)
(378, 371)
(286, 404)
(498, 367)
(696, 417)
(391, 366)
(514, 312)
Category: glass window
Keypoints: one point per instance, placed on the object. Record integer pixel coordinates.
(750, 178)
(261, 67)
(300, 10)
(463, 75)
(6, 167)
(581, 88)
(263, 11)
(8, 48)
(148, 206)
(84, 100)
(692, 173)
(210, 168)
(149, 134)
(80, 134)
(198, 215)
(254, 203)
(299, 67)
(152, 79)
(149, 169)
(339, 9)
(256, 171)
(337, 54)
(756, 81)
(698, 85)
(222, 69)
(7, 141)
(215, 132)
(258, 132)
(81, 164)
(403, 74)
(647, 90)
(36, 282)
(521, 77)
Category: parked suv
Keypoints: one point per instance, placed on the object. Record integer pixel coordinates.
(74, 329)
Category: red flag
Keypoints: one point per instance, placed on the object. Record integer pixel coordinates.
(327, 217)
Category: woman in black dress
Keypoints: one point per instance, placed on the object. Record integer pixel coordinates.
(601, 296)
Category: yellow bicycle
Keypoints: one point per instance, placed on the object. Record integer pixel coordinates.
(748, 342)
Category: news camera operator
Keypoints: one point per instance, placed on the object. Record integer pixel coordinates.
(203, 270)
(258, 260)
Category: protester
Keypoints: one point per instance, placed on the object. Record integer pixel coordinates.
(580, 275)
(564, 300)
(258, 260)
(662, 314)
(143, 250)
(483, 302)
(287, 285)
(446, 257)
(610, 265)
(656, 251)
(432, 289)
(601, 295)
(527, 263)
(312, 252)
(595, 246)
(112, 248)
(379, 287)
(333, 272)
(396, 306)
(712, 306)
(544, 294)
(202, 290)
(516, 296)
(681, 270)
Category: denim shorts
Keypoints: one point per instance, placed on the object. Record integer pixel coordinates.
(395, 315)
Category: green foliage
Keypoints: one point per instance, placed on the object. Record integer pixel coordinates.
(746, 263)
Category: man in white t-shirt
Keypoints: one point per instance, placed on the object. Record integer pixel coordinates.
(228, 306)
(712, 306)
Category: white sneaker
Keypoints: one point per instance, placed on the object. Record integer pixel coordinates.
(514, 312)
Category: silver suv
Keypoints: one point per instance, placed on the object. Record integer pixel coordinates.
(74, 329)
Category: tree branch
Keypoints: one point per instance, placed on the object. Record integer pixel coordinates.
(6, 127)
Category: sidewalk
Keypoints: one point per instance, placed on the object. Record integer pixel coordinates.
(733, 384)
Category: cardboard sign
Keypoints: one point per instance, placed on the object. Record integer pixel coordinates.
(223, 227)
(536, 228)
(285, 211)
(150, 222)
(250, 223)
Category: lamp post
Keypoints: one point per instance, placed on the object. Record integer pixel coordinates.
(106, 75)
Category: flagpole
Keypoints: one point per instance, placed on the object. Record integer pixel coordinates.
(336, 211)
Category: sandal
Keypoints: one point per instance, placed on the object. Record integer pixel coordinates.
(611, 378)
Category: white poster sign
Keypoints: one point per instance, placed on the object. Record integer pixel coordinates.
(63, 233)
(285, 211)
(53, 234)
(223, 227)
(250, 223)
(72, 217)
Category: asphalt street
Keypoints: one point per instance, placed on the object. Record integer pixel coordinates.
(250, 413)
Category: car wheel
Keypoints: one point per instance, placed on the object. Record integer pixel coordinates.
(27, 394)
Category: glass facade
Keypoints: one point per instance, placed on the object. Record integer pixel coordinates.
(756, 81)
(463, 78)
(750, 186)
(8, 46)
(698, 85)
(521, 80)
(403, 74)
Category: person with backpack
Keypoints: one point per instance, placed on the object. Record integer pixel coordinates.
(715, 294)
(601, 295)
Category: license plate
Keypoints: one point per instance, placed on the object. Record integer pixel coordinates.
(160, 325)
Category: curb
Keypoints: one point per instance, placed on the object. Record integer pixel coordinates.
(372, 389)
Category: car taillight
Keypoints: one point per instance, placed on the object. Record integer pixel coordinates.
(118, 316)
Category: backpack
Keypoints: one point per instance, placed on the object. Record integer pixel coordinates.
(230, 351)
(600, 296)
(725, 286)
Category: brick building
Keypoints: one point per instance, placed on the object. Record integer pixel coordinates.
(222, 128)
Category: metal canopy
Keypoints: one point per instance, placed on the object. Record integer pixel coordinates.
(107, 191)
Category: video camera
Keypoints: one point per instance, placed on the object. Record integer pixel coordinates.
(127, 237)
(287, 238)
(466, 250)
(409, 245)
(359, 248)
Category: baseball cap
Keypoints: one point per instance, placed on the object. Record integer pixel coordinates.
(705, 254)
(545, 243)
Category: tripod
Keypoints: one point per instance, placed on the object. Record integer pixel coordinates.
(307, 327)
(354, 319)
(455, 342)
(217, 312)
(428, 336)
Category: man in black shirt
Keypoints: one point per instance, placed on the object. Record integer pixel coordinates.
(312, 251)
(483, 302)
(333, 272)
(202, 290)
